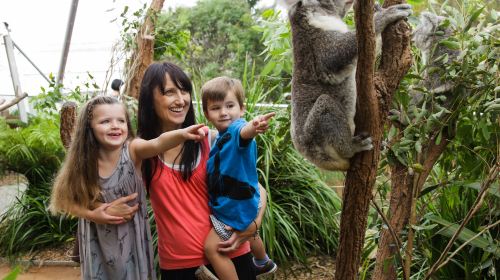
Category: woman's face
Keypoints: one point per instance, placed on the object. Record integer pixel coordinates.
(171, 105)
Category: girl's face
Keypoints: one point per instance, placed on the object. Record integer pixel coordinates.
(109, 125)
(171, 105)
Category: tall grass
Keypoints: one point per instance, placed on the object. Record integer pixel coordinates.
(445, 209)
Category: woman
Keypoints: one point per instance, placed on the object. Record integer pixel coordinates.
(176, 179)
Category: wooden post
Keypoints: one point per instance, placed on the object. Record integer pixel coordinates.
(9, 48)
(67, 41)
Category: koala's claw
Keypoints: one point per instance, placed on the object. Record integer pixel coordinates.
(362, 143)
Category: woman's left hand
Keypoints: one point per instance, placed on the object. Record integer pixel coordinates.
(237, 238)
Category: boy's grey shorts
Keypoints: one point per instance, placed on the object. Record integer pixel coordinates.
(220, 227)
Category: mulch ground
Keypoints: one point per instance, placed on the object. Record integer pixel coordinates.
(320, 267)
(12, 178)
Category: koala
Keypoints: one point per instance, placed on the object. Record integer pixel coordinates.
(323, 80)
(426, 37)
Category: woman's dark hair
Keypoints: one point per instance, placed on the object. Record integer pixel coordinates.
(116, 84)
(149, 125)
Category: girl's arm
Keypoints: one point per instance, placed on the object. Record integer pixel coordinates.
(258, 125)
(142, 149)
(240, 237)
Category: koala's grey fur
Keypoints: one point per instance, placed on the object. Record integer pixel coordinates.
(426, 37)
(323, 84)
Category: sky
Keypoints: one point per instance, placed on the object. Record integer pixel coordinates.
(39, 27)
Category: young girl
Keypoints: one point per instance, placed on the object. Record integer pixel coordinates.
(103, 164)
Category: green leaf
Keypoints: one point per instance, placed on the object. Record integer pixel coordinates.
(485, 131)
(268, 68)
(418, 147)
(428, 190)
(465, 235)
(13, 274)
(452, 45)
(428, 227)
(473, 18)
(493, 190)
(438, 139)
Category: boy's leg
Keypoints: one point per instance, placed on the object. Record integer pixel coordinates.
(263, 264)
(222, 264)
(257, 247)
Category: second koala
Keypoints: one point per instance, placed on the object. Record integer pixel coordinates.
(323, 84)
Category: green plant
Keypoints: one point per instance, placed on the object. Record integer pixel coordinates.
(35, 151)
(469, 120)
(28, 225)
(208, 39)
(446, 206)
(46, 103)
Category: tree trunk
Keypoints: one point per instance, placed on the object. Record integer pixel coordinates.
(142, 56)
(399, 210)
(370, 117)
(68, 118)
(361, 174)
(67, 124)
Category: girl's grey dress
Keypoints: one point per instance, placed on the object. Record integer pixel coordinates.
(118, 251)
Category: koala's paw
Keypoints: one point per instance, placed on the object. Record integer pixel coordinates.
(362, 143)
(390, 15)
(399, 11)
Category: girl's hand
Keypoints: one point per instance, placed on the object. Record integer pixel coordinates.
(99, 216)
(120, 208)
(261, 123)
(195, 132)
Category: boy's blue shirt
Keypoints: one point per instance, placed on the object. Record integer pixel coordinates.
(233, 188)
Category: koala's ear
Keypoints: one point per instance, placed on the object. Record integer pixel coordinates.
(290, 3)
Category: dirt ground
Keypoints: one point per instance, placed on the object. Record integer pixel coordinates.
(44, 273)
(321, 268)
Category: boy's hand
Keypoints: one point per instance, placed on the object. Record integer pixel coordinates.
(195, 132)
(261, 123)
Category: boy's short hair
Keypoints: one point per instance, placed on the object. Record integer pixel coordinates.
(217, 88)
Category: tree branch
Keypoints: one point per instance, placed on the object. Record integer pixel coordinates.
(5, 105)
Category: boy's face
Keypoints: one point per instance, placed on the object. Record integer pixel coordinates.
(222, 113)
